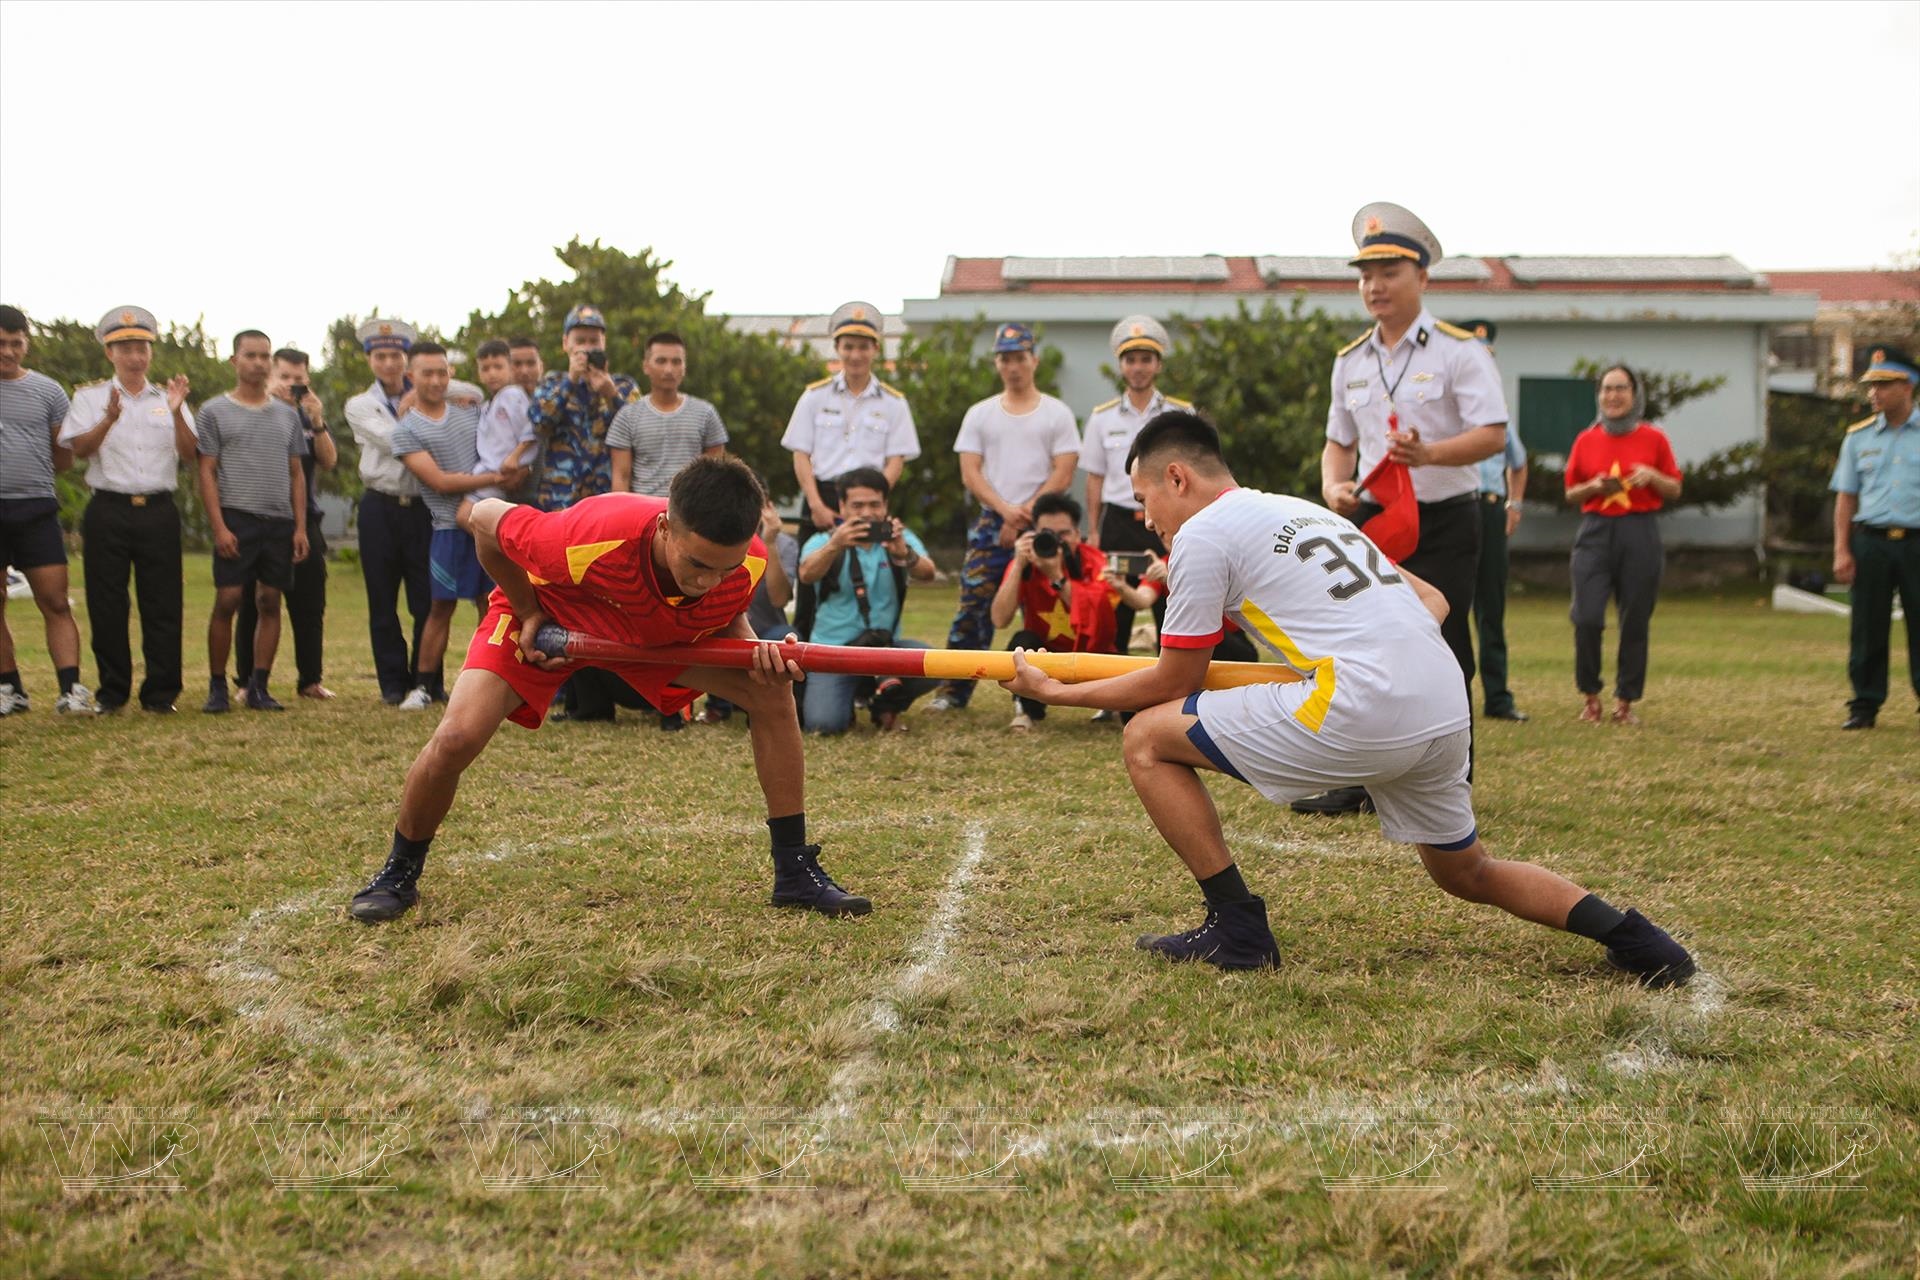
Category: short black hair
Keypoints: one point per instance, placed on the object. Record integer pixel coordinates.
(13, 320)
(492, 347)
(521, 342)
(292, 355)
(244, 334)
(425, 349)
(718, 498)
(864, 478)
(1633, 379)
(665, 338)
(1187, 436)
(1050, 504)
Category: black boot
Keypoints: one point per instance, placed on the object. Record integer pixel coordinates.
(798, 881)
(1234, 936)
(1642, 948)
(391, 892)
(1337, 801)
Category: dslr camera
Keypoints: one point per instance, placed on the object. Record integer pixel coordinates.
(1046, 544)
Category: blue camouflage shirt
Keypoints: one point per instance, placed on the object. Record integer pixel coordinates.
(572, 423)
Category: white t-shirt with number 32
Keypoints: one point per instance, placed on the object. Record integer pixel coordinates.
(1310, 588)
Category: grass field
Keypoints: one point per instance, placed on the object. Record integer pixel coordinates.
(594, 1051)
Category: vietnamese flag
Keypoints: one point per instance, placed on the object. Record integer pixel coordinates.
(1396, 529)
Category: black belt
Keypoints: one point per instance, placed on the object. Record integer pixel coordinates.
(1891, 532)
(135, 499)
(1459, 500)
(1493, 499)
(398, 499)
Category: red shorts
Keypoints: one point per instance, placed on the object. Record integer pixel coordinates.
(496, 648)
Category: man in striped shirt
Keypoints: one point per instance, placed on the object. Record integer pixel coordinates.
(438, 441)
(32, 410)
(255, 492)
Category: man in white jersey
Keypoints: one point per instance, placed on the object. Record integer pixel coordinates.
(1380, 704)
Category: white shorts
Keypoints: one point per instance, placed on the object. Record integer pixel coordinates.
(1420, 790)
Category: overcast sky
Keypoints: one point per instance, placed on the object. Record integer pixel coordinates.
(278, 165)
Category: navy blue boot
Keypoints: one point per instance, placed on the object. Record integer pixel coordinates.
(1642, 948)
(798, 881)
(1233, 936)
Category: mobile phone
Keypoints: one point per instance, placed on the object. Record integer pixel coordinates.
(597, 358)
(1130, 564)
(298, 391)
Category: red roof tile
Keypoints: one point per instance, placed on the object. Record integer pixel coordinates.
(1850, 286)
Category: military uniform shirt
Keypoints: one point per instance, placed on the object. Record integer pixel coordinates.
(1108, 437)
(841, 431)
(1493, 471)
(1882, 465)
(138, 454)
(1443, 385)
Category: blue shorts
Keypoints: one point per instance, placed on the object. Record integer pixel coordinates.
(457, 574)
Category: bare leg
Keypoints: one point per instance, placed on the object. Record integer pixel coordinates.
(49, 583)
(778, 755)
(266, 631)
(1530, 892)
(226, 603)
(433, 637)
(6, 637)
(1163, 763)
(480, 701)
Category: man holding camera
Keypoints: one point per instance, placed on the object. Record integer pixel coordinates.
(859, 571)
(573, 411)
(1064, 593)
(307, 601)
(849, 420)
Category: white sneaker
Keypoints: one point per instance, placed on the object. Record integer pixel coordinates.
(77, 701)
(941, 702)
(1021, 722)
(1105, 716)
(12, 700)
(418, 700)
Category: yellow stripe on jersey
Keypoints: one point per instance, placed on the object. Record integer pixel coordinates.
(755, 567)
(581, 558)
(1313, 712)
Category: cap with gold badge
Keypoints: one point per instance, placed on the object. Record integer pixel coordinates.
(1485, 330)
(856, 319)
(584, 316)
(385, 335)
(1889, 365)
(1383, 232)
(127, 324)
(1013, 336)
(1139, 333)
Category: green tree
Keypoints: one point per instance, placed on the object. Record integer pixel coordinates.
(1263, 378)
(752, 379)
(943, 375)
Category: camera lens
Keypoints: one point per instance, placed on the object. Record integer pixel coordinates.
(1046, 544)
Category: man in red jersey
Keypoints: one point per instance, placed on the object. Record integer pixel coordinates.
(639, 570)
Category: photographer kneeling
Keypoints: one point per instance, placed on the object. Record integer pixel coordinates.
(858, 572)
(1064, 593)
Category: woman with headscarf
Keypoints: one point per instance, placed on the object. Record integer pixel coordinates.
(1621, 472)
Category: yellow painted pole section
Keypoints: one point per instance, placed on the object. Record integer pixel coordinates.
(1077, 668)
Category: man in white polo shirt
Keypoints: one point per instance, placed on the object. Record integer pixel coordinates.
(1013, 447)
(133, 435)
(1380, 702)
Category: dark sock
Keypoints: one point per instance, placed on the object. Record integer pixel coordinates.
(258, 680)
(1594, 917)
(69, 677)
(789, 832)
(1225, 888)
(415, 849)
(13, 678)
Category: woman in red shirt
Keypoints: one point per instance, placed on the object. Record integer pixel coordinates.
(1621, 472)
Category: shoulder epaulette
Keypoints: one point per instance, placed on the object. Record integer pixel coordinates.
(1356, 342)
(1178, 403)
(97, 382)
(815, 386)
(895, 392)
(1454, 331)
(1102, 408)
(1863, 423)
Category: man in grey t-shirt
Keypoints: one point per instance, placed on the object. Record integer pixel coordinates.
(255, 491)
(33, 408)
(651, 439)
(438, 441)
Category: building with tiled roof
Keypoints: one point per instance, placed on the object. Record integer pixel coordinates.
(1855, 310)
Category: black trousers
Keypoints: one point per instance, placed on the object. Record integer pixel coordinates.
(121, 538)
(396, 539)
(305, 608)
(1125, 530)
(1619, 557)
(1883, 567)
(1028, 640)
(1490, 605)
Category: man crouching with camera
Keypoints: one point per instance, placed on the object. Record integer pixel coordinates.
(1063, 591)
(857, 572)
